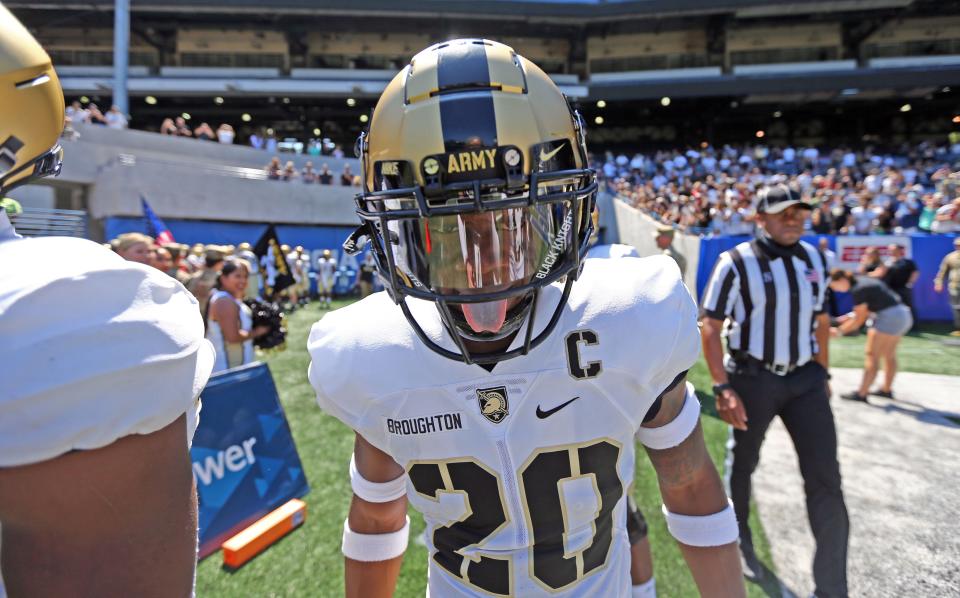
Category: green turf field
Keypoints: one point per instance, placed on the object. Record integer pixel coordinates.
(308, 562)
(921, 351)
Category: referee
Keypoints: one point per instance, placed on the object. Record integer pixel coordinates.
(766, 297)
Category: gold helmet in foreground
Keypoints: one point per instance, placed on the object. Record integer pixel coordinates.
(476, 193)
(32, 116)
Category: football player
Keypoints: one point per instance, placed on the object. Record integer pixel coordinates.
(103, 361)
(499, 384)
(326, 276)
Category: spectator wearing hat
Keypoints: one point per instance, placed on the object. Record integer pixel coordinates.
(664, 240)
(949, 272)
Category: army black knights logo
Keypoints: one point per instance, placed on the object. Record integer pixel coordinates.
(493, 403)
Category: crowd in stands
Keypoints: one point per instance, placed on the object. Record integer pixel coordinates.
(178, 127)
(260, 138)
(278, 171)
(91, 115)
(709, 190)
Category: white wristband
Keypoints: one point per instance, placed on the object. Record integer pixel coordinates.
(647, 589)
(703, 530)
(376, 491)
(369, 548)
(676, 431)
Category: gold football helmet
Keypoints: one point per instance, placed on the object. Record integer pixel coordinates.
(32, 116)
(476, 192)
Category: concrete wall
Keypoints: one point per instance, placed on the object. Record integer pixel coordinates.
(208, 151)
(191, 179)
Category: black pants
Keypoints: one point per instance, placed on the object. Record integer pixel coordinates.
(801, 401)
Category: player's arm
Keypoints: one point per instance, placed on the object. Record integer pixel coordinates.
(698, 512)
(729, 406)
(376, 531)
(116, 521)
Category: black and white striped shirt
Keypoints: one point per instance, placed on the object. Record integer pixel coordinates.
(770, 297)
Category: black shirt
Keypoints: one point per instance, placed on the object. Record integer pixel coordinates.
(898, 273)
(874, 293)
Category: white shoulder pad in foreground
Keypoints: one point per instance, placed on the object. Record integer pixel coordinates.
(645, 313)
(93, 347)
(358, 354)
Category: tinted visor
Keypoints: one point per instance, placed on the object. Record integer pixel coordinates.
(477, 254)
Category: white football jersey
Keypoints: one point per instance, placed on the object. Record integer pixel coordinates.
(93, 347)
(326, 266)
(520, 472)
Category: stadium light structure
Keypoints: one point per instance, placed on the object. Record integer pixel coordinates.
(121, 54)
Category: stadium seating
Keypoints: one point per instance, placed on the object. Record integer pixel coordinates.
(191, 179)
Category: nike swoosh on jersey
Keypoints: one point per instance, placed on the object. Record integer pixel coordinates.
(545, 414)
(544, 157)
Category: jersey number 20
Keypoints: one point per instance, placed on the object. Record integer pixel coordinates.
(543, 508)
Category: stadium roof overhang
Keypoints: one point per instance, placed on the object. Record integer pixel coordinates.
(531, 10)
(845, 80)
(850, 84)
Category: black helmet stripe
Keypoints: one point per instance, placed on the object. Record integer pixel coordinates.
(467, 116)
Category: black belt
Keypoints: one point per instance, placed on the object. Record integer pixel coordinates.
(751, 362)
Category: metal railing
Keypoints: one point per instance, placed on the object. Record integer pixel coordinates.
(39, 222)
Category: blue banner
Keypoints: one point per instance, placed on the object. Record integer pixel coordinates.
(244, 459)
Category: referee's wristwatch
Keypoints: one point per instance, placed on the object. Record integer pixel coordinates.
(719, 388)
